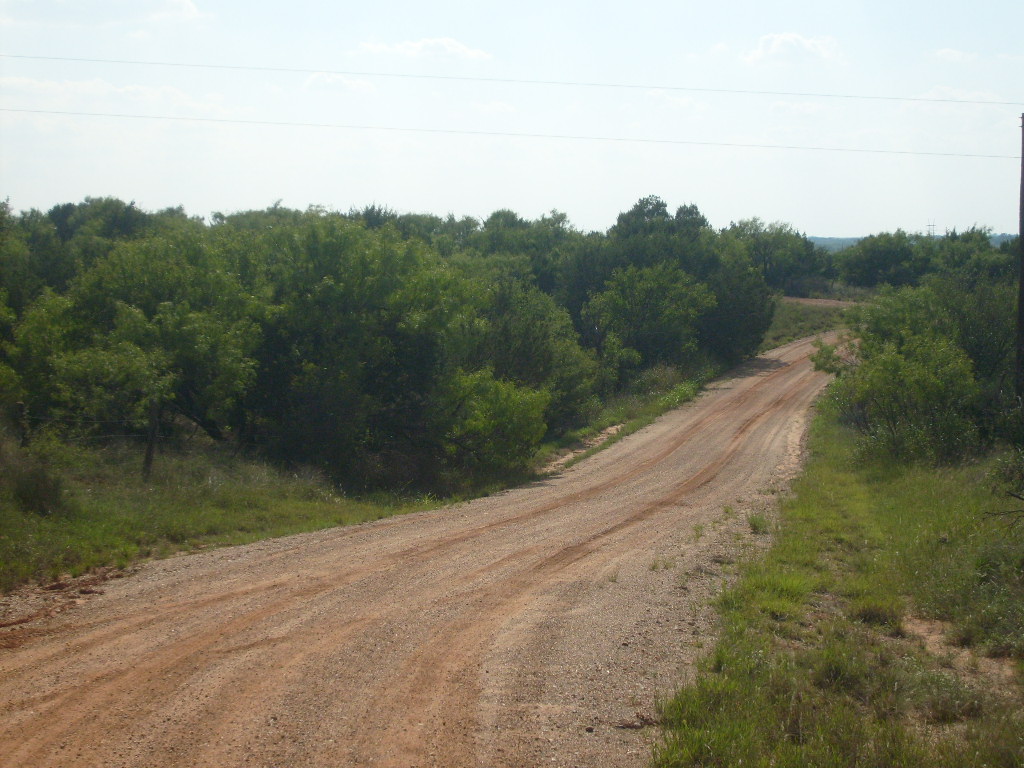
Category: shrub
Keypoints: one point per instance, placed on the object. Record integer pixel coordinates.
(28, 482)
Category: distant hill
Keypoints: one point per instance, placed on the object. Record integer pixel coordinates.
(834, 244)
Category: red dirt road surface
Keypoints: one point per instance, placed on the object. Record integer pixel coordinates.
(535, 627)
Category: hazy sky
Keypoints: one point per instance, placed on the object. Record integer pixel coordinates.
(677, 53)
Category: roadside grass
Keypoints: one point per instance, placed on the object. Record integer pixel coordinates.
(102, 513)
(794, 321)
(815, 664)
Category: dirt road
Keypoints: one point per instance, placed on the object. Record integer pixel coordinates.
(535, 627)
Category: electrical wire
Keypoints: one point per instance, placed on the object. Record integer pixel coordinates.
(515, 81)
(501, 134)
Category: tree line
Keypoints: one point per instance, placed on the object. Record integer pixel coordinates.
(389, 350)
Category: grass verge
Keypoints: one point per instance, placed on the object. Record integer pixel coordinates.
(818, 664)
(102, 513)
(793, 321)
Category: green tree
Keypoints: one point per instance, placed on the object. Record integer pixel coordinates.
(895, 259)
(734, 327)
(157, 319)
(531, 341)
(653, 310)
(487, 426)
(788, 260)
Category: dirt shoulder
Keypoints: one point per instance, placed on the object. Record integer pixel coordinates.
(537, 626)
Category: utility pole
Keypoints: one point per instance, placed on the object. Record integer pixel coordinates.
(1019, 378)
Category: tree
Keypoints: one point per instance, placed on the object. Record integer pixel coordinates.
(916, 401)
(156, 320)
(894, 259)
(487, 426)
(735, 326)
(531, 341)
(654, 310)
(788, 261)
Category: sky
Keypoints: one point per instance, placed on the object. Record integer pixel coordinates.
(468, 106)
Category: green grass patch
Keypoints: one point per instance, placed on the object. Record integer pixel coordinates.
(793, 321)
(813, 666)
(758, 524)
(108, 515)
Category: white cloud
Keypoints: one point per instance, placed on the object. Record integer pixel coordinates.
(431, 46)
(176, 10)
(954, 56)
(781, 45)
(345, 82)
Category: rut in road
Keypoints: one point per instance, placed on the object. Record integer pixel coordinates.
(537, 626)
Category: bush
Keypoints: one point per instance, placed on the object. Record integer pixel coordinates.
(28, 482)
(914, 402)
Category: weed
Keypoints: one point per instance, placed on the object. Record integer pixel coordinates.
(879, 610)
(758, 524)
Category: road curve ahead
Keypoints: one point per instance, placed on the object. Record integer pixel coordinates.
(535, 627)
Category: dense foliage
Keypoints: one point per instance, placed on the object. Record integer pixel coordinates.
(409, 351)
(930, 374)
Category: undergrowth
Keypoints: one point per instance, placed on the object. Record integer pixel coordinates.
(815, 666)
(79, 508)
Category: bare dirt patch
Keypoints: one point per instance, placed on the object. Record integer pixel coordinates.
(539, 626)
(934, 635)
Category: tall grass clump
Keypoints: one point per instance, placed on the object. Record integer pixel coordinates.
(26, 482)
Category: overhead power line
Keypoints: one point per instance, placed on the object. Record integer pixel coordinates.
(514, 81)
(500, 134)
